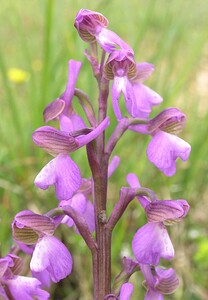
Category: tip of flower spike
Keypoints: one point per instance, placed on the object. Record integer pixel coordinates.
(87, 23)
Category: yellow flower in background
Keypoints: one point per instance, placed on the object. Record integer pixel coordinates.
(18, 75)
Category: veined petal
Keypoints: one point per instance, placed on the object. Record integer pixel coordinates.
(27, 227)
(164, 149)
(37, 222)
(51, 255)
(53, 109)
(126, 291)
(63, 173)
(167, 210)
(166, 281)
(170, 120)
(151, 242)
(54, 141)
(88, 23)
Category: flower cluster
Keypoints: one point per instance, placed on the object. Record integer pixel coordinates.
(82, 202)
(14, 286)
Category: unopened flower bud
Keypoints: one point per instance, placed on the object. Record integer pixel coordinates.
(88, 23)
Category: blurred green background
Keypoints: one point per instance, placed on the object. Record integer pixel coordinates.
(37, 40)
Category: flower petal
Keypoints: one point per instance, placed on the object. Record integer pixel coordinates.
(52, 255)
(53, 109)
(54, 141)
(73, 72)
(126, 291)
(151, 242)
(113, 165)
(166, 281)
(145, 98)
(144, 70)
(26, 288)
(163, 150)
(167, 210)
(117, 87)
(63, 173)
(110, 41)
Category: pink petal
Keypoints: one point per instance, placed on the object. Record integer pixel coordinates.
(52, 255)
(144, 70)
(151, 242)
(63, 173)
(126, 291)
(164, 149)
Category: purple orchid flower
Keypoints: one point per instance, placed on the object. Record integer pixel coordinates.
(165, 146)
(159, 282)
(61, 172)
(50, 255)
(91, 27)
(127, 78)
(151, 242)
(16, 286)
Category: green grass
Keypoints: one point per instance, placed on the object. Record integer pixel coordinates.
(39, 37)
